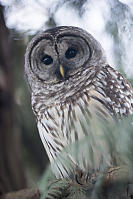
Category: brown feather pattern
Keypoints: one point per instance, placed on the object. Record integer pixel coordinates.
(108, 95)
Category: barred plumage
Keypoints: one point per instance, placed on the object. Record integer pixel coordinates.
(89, 92)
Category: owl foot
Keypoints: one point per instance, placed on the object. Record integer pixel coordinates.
(83, 178)
(91, 177)
(78, 177)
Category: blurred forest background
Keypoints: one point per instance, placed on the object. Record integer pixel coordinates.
(22, 156)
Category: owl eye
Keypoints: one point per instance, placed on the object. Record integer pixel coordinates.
(70, 53)
(47, 60)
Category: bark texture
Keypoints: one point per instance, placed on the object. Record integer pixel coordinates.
(11, 170)
(23, 194)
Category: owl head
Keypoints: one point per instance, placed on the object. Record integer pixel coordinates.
(60, 55)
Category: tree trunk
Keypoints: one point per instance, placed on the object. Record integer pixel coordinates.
(11, 172)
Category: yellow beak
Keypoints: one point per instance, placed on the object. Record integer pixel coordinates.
(62, 71)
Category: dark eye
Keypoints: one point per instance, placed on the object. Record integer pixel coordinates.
(70, 53)
(47, 60)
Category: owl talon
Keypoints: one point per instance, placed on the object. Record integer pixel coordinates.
(90, 177)
(77, 180)
(87, 177)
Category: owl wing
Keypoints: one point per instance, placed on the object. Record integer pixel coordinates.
(116, 91)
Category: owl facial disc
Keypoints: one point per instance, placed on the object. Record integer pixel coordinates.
(57, 54)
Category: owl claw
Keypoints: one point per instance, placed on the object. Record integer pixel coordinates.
(77, 180)
(87, 177)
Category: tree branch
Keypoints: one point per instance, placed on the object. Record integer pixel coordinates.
(22, 194)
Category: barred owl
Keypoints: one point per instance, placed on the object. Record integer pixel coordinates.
(72, 84)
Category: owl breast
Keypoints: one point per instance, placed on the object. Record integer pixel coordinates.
(105, 99)
(61, 126)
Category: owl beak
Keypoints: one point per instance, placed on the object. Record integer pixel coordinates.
(62, 71)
